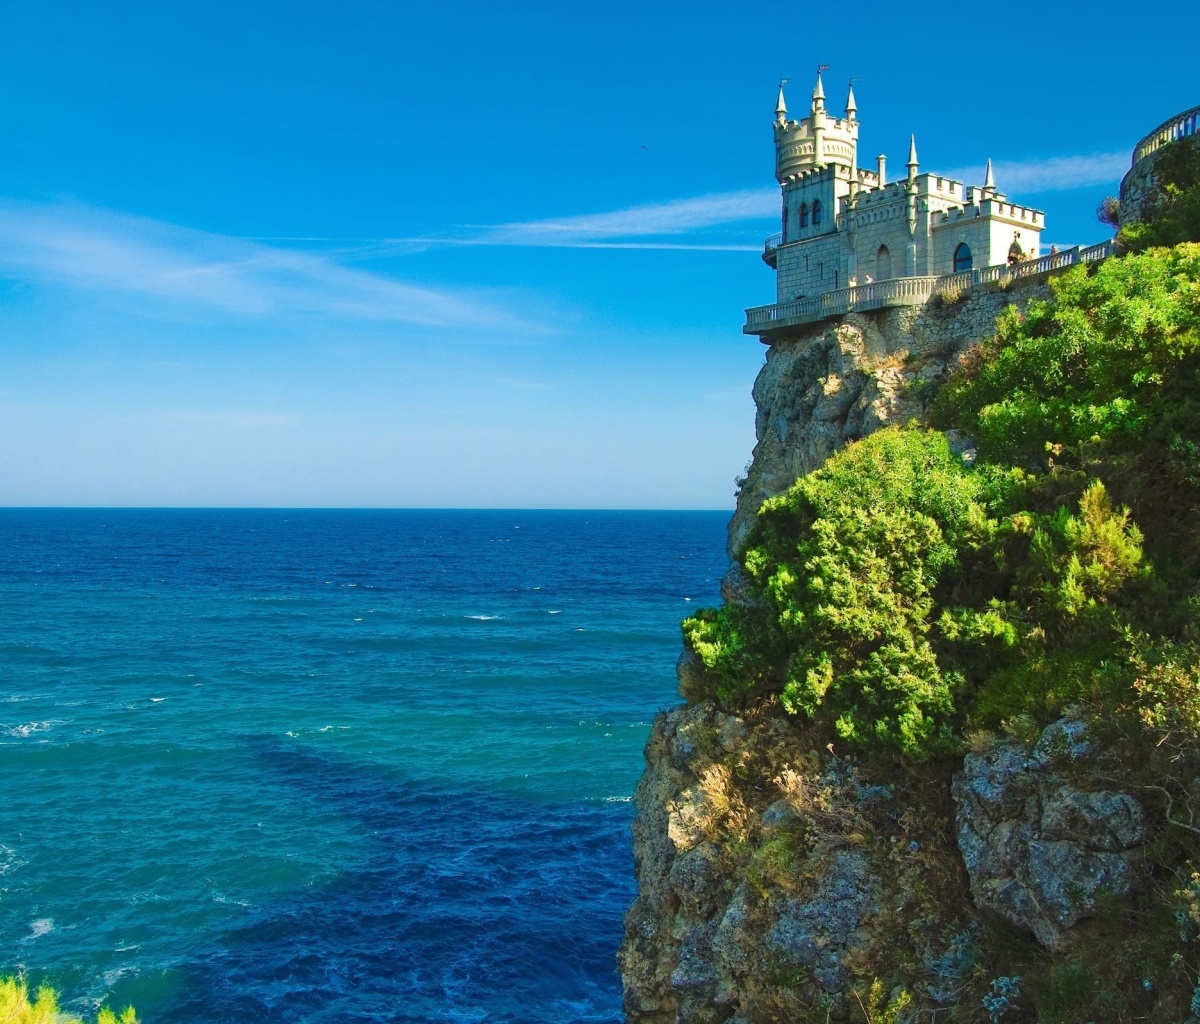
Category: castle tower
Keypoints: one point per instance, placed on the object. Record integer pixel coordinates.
(815, 141)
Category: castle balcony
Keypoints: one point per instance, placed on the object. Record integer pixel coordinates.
(1179, 127)
(769, 247)
(774, 321)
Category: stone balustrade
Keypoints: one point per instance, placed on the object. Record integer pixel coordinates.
(768, 321)
(1178, 127)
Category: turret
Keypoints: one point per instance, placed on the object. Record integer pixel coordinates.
(912, 164)
(989, 182)
(816, 140)
(851, 106)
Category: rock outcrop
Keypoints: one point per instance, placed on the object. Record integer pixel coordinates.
(1044, 839)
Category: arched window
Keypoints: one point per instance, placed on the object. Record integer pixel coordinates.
(804, 215)
(816, 213)
(962, 258)
(883, 264)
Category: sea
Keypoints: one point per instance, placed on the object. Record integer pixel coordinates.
(332, 766)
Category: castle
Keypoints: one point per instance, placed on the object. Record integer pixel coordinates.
(845, 226)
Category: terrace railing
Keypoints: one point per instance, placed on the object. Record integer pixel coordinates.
(909, 291)
(1179, 127)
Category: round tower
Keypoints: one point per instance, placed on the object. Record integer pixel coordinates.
(816, 140)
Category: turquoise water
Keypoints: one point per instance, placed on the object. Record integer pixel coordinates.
(332, 766)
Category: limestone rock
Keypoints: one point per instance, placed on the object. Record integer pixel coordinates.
(1042, 845)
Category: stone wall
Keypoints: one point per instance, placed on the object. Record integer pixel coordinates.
(1137, 187)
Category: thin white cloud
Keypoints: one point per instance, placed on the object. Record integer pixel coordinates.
(621, 228)
(1050, 174)
(93, 249)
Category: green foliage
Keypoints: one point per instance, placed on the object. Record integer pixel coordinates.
(16, 1007)
(847, 562)
(1172, 216)
(901, 596)
(878, 1007)
(1109, 366)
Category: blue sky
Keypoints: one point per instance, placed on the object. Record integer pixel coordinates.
(471, 255)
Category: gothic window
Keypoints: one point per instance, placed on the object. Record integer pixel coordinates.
(816, 213)
(883, 264)
(962, 258)
(804, 215)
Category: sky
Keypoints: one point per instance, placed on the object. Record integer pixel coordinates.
(470, 255)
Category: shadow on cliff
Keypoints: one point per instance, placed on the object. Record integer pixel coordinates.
(469, 906)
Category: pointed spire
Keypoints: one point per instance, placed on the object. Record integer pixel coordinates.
(851, 106)
(818, 96)
(989, 180)
(780, 106)
(912, 152)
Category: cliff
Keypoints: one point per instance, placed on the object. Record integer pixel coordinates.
(785, 876)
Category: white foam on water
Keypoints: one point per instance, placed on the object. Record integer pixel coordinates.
(483, 618)
(8, 859)
(20, 732)
(41, 926)
(556, 611)
(157, 700)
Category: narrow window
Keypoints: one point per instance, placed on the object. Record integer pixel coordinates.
(962, 258)
(816, 213)
(883, 264)
(804, 215)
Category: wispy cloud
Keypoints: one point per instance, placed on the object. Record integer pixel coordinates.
(622, 228)
(1050, 174)
(94, 249)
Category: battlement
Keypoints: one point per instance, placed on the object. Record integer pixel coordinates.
(993, 206)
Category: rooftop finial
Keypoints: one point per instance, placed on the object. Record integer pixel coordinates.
(818, 96)
(912, 152)
(988, 180)
(780, 106)
(851, 106)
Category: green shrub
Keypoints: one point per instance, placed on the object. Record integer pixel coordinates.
(847, 563)
(1114, 358)
(16, 1008)
(902, 597)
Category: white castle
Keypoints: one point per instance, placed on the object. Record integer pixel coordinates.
(845, 226)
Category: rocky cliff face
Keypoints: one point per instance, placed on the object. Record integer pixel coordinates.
(840, 380)
(777, 878)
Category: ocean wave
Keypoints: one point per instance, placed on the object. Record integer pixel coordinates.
(483, 618)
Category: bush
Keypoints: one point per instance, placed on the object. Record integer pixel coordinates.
(847, 562)
(15, 1007)
(903, 598)
(1113, 358)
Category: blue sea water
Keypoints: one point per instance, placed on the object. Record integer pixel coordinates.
(332, 766)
